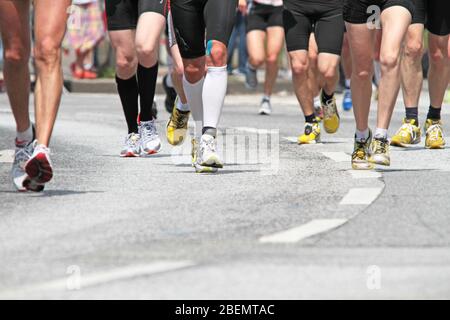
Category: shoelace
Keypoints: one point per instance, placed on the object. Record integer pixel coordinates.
(380, 146)
(149, 131)
(405, 129)
(180, 120)
(22, 155)
(330, 109)
(360, 152)
(435, 132)
(132, 141)
(209, 146)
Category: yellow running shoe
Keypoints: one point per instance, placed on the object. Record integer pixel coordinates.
(379, 153)
(408, 134)
(434, 134)
(177, 126)
(331, 118)
(311, 135)
(360, 155)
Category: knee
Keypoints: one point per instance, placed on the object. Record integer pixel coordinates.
(439, 55)
(328, 71)
(47, 52)
(299, 67)
(218, 54)
(414, 50)
(147, 51)
(256, 62)
(16, 56)
(363, 73)
(389, 61)
(194, 72)
(126, 64)
(272, 59)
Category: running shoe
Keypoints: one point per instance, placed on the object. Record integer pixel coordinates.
(347, 103)
(38, 168)
(408, 134)
(251, 78)
(171, 95)
(434, 134)
(22, 154)
(361, 153)
(318, 109)
(150, 141)
(311, 135)
(207, 155)
(265, 107)
(197, 166)
(379, 153)
(177, 127)
(331, 118)
(131, 147)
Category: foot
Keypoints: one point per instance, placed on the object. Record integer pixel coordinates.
(408, 134)
(347, 103)
(331, 119)
(23, 153)
(380, 152)
(171, 95)
(251, 78)
(177, 127)
(434, 134)
(311, 135)
(150, 141)
(360, 155)
(265, 107)
(38, 168)
(131, 147)
(207, 155)
(194, 156)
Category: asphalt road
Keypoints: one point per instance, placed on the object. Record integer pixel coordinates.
(293, 222)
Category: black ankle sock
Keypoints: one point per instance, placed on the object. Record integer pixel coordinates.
(326, 97)
(413, 114)
(434, 113)
(128, 93)
(210, 130)
(147, 85)
(311, 118)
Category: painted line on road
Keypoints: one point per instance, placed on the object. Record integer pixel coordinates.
(365, 174)
(362, 196)
(100, 278)
(337, 156)
(7, 156)
(304, 231)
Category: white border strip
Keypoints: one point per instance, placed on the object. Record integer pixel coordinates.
(362, 196)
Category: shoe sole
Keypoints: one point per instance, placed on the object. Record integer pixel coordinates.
(31, 185)
(39, 169)
(129, 155)
(213, 163)
(362, 166)
(150, 152)
(380, 162)
(435, 147)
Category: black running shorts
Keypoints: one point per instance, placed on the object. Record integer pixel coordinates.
(124, 14)
(358, 11)
(301, 18)
(262, 16)
(420, 12)
(438, 17)
(191, 18)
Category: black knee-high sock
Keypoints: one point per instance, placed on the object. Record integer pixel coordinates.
(147, 84)
(128, 92)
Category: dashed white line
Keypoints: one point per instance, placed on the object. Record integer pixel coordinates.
(337, 156)
(304, 231)
(362, 196)
(6, 156)
(99, 278)
(365, 174)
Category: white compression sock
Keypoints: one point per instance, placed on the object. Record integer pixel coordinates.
(25, 136)
(362, 135)
(214, 91)
(181, 106)
(194, 97)
(381, 133)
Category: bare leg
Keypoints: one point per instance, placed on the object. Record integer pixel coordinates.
(395, 22)
(177, 74)
(328, 68)
(275, 40)
(439, 73)
(300, 75)
(256, 48)
(148, 32)
(14, 18)
(346, 58)
(49, 34)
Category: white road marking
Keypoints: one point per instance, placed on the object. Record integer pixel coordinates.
(99, 278)
(361, 196)
(365, 174)
(253, 130)
(337, 156)
(304, 231)
(6, 156)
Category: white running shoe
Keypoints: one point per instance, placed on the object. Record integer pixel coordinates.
(132, 146)
(38, 168)
(207, 155)
(22, 155)
(195, 159)
(150, 141)
(266, 107)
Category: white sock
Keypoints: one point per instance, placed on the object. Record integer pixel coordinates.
(193, 93)
(182, 106)
(25, 136)
(347, 83)
(381, 133)
(317, 102)
(362, 135)
(266, 98)
(214, 91)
